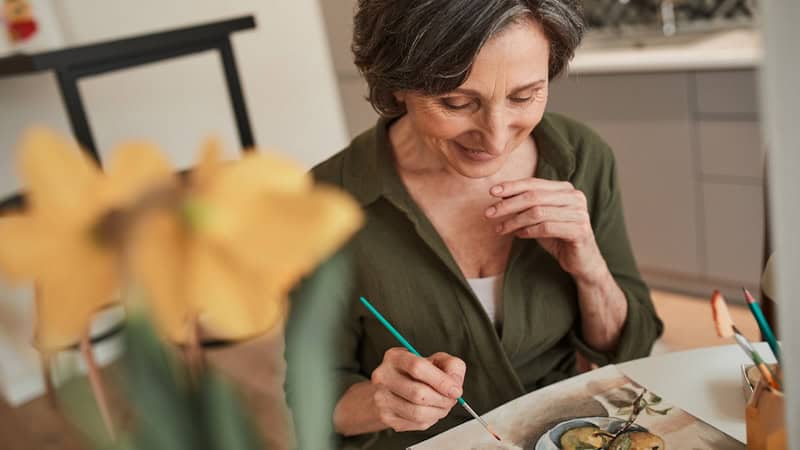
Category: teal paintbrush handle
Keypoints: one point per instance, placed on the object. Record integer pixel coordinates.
(394, 332)
(389, 327)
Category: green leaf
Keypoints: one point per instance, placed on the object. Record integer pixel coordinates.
(228, 426)
(164, 411)
(626, 411)
(621, 443)
(654, 399)
(311, 334)
(662, 412)
(77, 400)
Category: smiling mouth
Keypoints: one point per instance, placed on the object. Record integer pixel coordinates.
(475, 155)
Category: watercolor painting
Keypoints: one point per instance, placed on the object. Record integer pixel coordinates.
(601, 409)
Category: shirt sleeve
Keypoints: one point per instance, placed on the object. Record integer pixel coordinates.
(642, 325)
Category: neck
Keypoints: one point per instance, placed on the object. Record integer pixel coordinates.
(414, 159)
(410, 153)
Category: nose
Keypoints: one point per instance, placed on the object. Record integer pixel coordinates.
(496, 131)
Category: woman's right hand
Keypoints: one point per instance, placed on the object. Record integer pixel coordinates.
(405, 393)
(413, 393)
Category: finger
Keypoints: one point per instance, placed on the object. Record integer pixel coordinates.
(389, 417)
(424, 371)
(531, 198)
(450, 365)
(568, 231)
(541, 214)
(510, 188)
(419, 416)
(399, 424)
(411, 390)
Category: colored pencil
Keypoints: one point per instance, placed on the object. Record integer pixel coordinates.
(726, 328)
(763, 325)
(411, 349)
(748, 348)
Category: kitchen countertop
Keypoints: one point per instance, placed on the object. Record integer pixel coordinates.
(732, 49)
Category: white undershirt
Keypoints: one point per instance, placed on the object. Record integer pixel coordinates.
(489, 291)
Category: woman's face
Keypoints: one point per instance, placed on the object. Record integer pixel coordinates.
(478, 125)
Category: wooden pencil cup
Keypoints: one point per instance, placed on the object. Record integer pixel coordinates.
(766, 423)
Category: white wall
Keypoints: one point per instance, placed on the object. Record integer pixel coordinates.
(338, 15)
(287, 77)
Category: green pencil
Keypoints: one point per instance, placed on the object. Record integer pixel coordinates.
(766, 331)
(411, 348)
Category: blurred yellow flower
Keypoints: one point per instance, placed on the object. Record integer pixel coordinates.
(57, 241)
(220, 252)
(245, 234)
(213, 257)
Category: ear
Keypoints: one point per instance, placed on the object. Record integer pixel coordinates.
(400, 97)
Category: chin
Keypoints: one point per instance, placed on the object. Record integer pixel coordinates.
(476, 171)
(472, 165)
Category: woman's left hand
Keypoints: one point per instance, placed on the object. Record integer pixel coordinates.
(555, 214)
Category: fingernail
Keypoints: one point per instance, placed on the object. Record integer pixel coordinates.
(497, 189)
(498, 228)
(453, 392)
(491, 211)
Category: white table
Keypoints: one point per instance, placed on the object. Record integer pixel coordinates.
(706, 383)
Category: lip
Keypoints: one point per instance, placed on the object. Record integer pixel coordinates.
(479, 156)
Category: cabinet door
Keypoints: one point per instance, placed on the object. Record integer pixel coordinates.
(646, 120)
(734, 221)
(731, 148)
(728, 92)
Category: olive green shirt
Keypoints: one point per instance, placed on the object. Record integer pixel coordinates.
(404, 268)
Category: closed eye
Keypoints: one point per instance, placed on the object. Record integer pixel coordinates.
(531, 95)
(455, 104)
(521, 99)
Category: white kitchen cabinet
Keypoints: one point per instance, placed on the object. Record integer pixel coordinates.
(690, 163)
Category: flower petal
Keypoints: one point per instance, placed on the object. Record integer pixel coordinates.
(208, 164)
(256, 174)
(70, 290)
(59, 178)
(284, 236)
(158, 259)
(137, 168)
(233, 302)
(24, 247)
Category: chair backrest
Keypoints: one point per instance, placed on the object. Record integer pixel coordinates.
(12, 203)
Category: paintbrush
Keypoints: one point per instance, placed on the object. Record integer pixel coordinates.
(763, 325)
(411, 348)
(726, 329)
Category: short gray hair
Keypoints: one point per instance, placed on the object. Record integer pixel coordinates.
(428, 46)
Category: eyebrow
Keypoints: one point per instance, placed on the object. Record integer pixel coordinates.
(515, 90)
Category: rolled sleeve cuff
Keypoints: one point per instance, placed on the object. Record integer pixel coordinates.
(639, 332)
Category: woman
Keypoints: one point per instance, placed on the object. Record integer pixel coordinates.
(495, 239)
